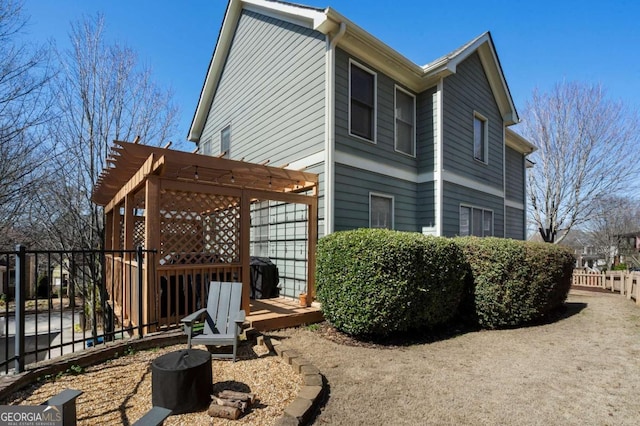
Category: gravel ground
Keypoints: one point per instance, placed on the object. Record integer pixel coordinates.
(119, 391)
(583, 369)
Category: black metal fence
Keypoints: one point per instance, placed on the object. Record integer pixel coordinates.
(57, 302)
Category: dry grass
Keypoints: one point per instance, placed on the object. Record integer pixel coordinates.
(119, 391)
(582, 369)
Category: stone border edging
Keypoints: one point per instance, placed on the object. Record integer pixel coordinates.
(300, 411)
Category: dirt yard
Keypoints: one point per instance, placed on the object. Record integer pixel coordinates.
(581, 370)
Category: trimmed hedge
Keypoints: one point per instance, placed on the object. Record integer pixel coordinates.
(514, 282)
(376, 282)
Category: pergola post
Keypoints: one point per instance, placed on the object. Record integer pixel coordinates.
(245, 254)
(108, 230)
(151, 241)
(116, 228)
(312, 241)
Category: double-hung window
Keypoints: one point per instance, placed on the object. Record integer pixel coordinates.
(405, 112)
(380, 211)
(476, 221)
(362, 102)
(480, 137)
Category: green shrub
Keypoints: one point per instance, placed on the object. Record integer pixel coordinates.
(375, 282)
(619, 267)
(512, 282)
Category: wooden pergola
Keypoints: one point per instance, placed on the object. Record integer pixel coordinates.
(195, 211)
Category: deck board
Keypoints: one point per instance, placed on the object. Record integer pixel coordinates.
(272, 314)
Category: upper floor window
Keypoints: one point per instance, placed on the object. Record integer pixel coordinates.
(204, 147)
(225, 142)
(362, 102)
(480, 137)
(405, 122)
(380, 211)
(476, 221)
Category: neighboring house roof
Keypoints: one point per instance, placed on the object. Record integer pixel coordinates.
(360, 43)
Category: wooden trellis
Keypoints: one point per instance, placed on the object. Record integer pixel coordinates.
(195, 211)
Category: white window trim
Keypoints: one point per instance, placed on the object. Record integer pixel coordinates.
(395, 118)
(228, 151)
(471, 206)
(393, 207)
(375, 102)
(479, 116)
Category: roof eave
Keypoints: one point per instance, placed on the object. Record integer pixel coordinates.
(518, 142)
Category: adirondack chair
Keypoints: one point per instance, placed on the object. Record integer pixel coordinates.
(222, 318)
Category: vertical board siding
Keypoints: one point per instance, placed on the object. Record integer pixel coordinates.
(384, 147)
(352, 198)
(515, 175)
(514, 224)
(465, 92)
(271, 91)
(454, 195)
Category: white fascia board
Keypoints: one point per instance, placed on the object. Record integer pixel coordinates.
(498, 83)
(302, 16)
(518, 142)
(377, 54)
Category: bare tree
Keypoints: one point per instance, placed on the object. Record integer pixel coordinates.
(614, 226)
(25, 105)
(103, 95)
(585, 142)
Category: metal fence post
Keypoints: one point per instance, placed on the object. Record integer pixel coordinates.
(139, 260)
(21, 286)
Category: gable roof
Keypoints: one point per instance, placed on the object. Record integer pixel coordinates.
(360, 43)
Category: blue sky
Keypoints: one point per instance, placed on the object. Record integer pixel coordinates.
(539, 43)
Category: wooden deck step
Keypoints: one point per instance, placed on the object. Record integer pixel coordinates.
(272, 314)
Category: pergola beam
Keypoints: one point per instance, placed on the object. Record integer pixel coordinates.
(149, 167)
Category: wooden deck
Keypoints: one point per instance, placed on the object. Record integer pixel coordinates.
(272, 314)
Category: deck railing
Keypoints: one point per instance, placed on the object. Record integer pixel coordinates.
(624, 282)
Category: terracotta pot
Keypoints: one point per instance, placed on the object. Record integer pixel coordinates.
(303, 299)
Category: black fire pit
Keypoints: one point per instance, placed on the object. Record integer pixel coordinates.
(182, 381)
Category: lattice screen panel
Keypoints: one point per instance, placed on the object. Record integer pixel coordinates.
(199, 228)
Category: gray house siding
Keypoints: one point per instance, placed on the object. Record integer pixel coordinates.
(426, 127)
(353, 187)
(514, 224)
(456, 195)
(515, 175)
(463, 93)
(271, 92)
(384, 147)
(426, 215)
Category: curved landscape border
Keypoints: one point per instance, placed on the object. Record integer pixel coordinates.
(299, 412)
